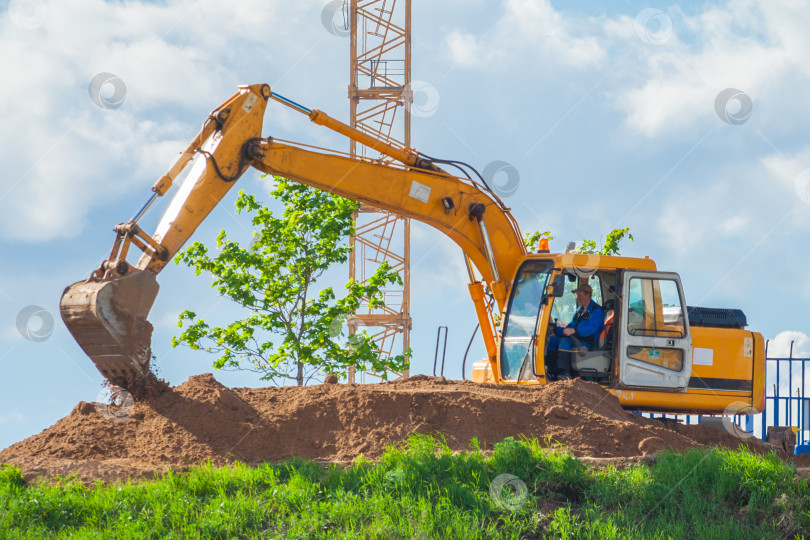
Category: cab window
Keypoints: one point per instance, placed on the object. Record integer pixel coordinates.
(564, 307)
(654, 308)
(525, 305)
(520, 323)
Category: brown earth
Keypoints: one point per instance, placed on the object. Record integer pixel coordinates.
(203, 420)
(802, 460)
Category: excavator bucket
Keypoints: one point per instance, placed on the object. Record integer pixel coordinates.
(108, 320)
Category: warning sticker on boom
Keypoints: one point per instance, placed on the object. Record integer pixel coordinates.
(250, 101)
(420, 192)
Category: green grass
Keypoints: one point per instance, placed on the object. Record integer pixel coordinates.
(422, 490)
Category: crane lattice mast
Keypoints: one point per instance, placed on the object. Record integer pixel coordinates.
(379, 90)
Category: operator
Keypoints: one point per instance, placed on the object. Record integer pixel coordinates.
(582, 331)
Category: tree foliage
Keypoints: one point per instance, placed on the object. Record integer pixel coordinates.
(293, 330)
(530, 240)
(611, 246)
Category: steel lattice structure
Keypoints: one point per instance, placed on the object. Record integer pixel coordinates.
(379, 91)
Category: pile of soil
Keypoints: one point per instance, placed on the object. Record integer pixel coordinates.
(802, 460)
(203, 420)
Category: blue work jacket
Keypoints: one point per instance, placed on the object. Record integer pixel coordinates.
(588, 324)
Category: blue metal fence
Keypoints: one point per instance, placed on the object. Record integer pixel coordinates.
(786, 403)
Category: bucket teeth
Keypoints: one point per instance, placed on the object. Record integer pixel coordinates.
(108, 320)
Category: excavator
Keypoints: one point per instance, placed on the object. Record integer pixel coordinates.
(656, 354)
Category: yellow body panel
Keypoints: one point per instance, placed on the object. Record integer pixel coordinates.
(758, 397)
(692, 401)
(585, 263)
(728, 358)
(482, 372)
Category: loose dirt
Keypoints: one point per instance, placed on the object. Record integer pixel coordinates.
(203, 420)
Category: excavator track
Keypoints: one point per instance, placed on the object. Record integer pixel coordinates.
(108, 320)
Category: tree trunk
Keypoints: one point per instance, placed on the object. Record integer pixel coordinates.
(300, 376)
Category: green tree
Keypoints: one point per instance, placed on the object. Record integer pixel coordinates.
(530, 240)
(293, 330)
(565, 307)
(610, 246)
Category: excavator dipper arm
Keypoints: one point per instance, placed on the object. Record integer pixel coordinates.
(107, 313)
(419, 195)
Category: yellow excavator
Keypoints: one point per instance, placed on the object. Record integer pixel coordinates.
(655, 352)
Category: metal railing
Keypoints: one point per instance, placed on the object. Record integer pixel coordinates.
(787, 404)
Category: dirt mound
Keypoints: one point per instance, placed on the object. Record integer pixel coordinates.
(802, 460)
(203, 420)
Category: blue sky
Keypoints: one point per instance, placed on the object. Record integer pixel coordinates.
(608, 114)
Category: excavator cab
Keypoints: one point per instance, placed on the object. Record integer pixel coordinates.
(645, 343)
(654, 352)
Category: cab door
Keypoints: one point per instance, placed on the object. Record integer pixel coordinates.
(655, 346)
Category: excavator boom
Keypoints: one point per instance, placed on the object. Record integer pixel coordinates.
(107, 314)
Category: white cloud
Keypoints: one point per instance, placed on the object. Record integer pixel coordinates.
(734, 225)
(791, 173)
(530, 30)
(686, 220)
(663, 88)
(64, 156)
(779, 347)
(750, 45)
